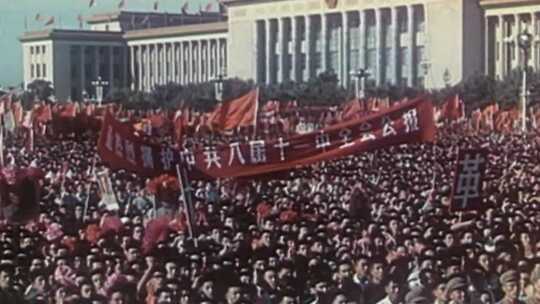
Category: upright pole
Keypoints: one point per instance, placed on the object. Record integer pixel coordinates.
(524, 96)
(185, 188)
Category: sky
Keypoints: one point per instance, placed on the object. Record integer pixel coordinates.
(17, 16)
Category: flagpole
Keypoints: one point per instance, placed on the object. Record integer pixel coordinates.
(256, 114)
(87, 201)
(188, 204)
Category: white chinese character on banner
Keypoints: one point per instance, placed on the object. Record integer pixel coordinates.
(367, 137)
(346, 137)
(281, 145)
(468, 186)
(322, 140)
(365, 126)
(130, 152)
(167, 158)
(211, 157)
(257, 149)
(235, 149)
(147, 158)
(410, 118)
(110, 139)
(187, 157)
(388, 127)
(118, 147)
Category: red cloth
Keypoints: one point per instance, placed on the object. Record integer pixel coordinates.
(42, 113)
(155, 232)
(241, 112)
(453, 109)
(352, 109)
(111, 223)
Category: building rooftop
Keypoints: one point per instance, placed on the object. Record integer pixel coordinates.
(503, 3)
(192, 29)
(61, 34)
(117, 15)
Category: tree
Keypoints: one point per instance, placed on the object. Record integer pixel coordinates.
(41, 89)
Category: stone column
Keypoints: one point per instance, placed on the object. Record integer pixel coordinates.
(515, 36)
(83, 69)
(534, 50)
(189, 76)
(199, 62)
(309, 67)
(345, 50)
(395, 46)
(280, 43)
(412, 37)
(324, 44)
(219, 61)
(362, 48)
(294, 51)
(111, 69)
(268, 38)
(139, 76)
(208, 61)
(378, 46)
(97, 60)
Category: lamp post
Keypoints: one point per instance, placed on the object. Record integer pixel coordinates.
(425, 68)
(99, 84)
(218, 84)
(524, 41)
(446, 77)
(360, 76)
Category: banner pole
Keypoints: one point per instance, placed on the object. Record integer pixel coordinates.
(93, 176)
(185, 188)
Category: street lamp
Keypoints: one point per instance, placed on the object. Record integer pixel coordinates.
(360, 76)
(218, 84)
(425, 68)
(524, 41)
(446, 77)
(99, 84)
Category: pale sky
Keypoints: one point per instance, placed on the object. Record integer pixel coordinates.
(14, 12)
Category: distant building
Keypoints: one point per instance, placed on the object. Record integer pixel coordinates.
(429, 43)
(504, 21)
(119, 47)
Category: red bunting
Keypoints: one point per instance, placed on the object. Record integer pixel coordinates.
(406, 123)
(241, 112)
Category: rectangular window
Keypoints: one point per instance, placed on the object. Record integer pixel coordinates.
(371, 34)
(43, 48)
(404, 59)
(388, 64)
(31, 50)
(32, 71)
(44, 67)
(37, 50)
(38, 70)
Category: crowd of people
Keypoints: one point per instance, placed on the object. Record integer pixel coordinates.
(373, 228)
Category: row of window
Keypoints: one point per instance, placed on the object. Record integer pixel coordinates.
(38, 70)
(38, 49)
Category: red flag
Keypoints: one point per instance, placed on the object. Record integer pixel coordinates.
(241, 112)
(69, 110)
(351, 110)
(18, 113)
(19, 193)
(453, 108)
(42, 113)
(155, 232)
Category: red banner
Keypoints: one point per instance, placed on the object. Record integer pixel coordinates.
(468, 180)
(409, 122)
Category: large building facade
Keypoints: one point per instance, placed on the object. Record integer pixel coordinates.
(415, 43)
(504, 21)
(430, 43)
